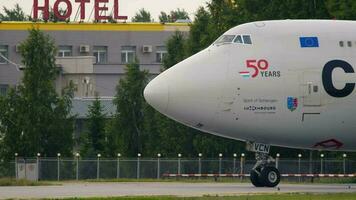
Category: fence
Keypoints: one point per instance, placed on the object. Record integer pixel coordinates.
(155, 168)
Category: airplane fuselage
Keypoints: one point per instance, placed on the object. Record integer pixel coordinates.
(287, 83)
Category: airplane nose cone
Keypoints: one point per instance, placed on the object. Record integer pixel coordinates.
(189, 91)
(156, 94)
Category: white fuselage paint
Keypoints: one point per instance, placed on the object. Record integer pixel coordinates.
(207, 91)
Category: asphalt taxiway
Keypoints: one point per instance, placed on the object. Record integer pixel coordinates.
(148, 189)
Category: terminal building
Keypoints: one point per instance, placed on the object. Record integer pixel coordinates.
(92, 56)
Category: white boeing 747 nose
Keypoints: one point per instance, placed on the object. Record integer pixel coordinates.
(288, 83)
(156, 93)
(187, 91)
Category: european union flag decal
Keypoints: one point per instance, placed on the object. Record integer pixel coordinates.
(309, 42)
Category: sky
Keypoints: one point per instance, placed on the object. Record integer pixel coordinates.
(127, 7)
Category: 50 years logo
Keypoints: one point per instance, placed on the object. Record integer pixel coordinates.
(259, 68)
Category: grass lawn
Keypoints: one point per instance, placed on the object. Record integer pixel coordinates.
(249, 197)
(22, 182)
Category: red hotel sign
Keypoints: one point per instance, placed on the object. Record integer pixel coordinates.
(99, 7)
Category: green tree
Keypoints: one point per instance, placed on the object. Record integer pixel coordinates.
(142, 16)
(128, 122)
(54, 18)
(173, 16)
(151, 127)
(342, 9)
(94, 139)
(198, 35)
(33, 114)
(255, 10)
(15, 14)
(306, 9)
(176, 50)
(164, 17)
(223, 16)
(10, 125)
(113, 144)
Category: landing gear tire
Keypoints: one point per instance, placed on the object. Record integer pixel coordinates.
(255, 178)
(270, 176)
(263, 173)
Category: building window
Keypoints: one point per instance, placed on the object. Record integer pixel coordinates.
(160, 54)
(4, 51)
(3, 90)
(100, 54)
(341, 44)
(64, 51)
(128, 54)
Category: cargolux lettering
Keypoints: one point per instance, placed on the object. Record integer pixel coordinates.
(328, 82)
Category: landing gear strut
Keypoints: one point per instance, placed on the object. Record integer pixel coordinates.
(263, 174)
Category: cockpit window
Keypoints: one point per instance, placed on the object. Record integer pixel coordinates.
(238, 39)
(243, 39)
(247, 39)
(225, 39)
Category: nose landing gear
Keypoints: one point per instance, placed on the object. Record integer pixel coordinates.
(263, 174)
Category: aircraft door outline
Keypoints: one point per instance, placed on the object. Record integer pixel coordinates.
(311, 88)
(311, 96)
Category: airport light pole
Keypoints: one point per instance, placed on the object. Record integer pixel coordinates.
(77, 166)
(199, 162)
(118, 166)
(344, 156)
(16, 168)
(58, 166)
(234, 163)
(310, 162)
(299, 162)
(98, 166)
(38, 165)
(24, 160)
(242, 164)
(277, 160)
(179, 160)
(158, 165)
(138, 165)
(220, 161)
(321, 163)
